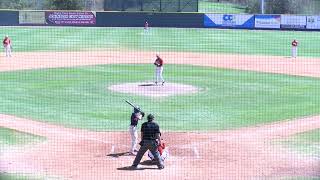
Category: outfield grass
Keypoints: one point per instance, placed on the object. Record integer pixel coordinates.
(78, 97)
(215, 7)
(33, 39)
(10, 137)
(307, 143)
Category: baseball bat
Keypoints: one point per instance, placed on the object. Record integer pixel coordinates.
(132, 105)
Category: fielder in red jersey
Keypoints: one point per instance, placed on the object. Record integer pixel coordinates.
(294, 48)
(7, 45)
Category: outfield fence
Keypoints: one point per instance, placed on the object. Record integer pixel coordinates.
(159, 19)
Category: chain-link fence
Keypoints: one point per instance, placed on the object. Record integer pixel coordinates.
(152, 5)
(110, 5)
(92, 5)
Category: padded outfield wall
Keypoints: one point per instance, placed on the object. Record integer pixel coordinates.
(159, 19)
(134, 19)
(9, 18)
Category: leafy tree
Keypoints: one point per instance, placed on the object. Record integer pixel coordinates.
(64, 5)
(280, 6)
(14, 4)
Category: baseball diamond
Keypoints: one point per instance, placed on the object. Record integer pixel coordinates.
(234, 104)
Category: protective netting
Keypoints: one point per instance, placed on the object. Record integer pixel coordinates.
(234, 97)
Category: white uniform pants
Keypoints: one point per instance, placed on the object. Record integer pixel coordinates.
(159, 77)
(7, 49)
(134, 137)
(294, 51)
(165, 154)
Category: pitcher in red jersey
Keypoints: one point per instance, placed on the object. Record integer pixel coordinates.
(159, 69)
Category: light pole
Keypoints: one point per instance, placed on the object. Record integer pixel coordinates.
(262, 6)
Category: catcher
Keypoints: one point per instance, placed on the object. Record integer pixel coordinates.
(163, 151)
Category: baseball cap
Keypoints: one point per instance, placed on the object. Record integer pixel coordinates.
(150, 117)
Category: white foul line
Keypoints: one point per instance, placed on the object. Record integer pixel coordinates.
(112, 149)
(195, 150)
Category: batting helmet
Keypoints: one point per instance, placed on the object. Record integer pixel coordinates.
(136, 109)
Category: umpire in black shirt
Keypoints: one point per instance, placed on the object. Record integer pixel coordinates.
(150, 135)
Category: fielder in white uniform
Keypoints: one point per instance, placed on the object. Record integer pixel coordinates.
(159, 69)
(135, 117)
(7, 45)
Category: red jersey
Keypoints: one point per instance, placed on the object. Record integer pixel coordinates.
(161, 147)
(158, 62)
(294, 43)
(6, 41)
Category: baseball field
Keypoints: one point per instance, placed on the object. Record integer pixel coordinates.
(234, 105)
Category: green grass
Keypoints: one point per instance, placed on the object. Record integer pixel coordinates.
(307, 143)
(78, 97)
(33, 39)
(10, 137)
(11, 176)
(299, 178)
(215, 7)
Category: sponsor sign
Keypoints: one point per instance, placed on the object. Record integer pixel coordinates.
(267, 21)
(70, 18)
(313, 22)
(229, 20)
(293, 22)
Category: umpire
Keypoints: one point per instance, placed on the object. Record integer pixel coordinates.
(150, 135)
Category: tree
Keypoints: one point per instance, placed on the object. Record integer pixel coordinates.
(14, 4)
(284, 6)
(64, 5)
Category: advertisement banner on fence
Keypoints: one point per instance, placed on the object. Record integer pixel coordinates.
(267, 21)
(293, 22)
(313, 22)
(229, 20)
(71, 18)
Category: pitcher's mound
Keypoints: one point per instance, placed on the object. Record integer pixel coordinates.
(153, 90)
